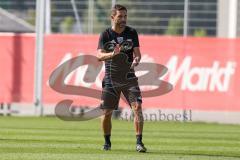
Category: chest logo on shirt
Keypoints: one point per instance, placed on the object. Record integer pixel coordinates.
(120, 40)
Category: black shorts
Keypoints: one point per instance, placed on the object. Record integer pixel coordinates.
(111, 94)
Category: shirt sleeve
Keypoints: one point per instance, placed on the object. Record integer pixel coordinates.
(103, 38)
(135, 39)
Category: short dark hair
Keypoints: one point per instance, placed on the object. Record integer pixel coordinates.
(117, 7)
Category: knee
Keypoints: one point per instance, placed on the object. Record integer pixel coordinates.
(107, 114)
(136, 107)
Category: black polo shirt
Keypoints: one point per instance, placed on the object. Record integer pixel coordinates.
(118, 68)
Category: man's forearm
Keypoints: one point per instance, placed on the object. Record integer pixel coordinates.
(104, 56)
(137, 54)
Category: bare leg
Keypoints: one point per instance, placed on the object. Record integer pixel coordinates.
(107, 127)
(138, 123)
(107, 122)
(138, 118)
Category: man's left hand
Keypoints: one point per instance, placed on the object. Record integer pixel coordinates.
(135, 62)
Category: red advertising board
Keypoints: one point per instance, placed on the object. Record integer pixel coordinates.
(16, 67)
(204, 72)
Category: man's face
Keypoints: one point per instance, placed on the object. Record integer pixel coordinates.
(120, 19)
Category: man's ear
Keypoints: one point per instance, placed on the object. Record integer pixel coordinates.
(112, 17)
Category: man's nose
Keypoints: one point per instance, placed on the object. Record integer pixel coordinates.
(123, 19)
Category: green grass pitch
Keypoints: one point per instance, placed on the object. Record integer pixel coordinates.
(29, 138)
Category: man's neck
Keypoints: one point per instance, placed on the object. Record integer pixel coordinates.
(117, 29)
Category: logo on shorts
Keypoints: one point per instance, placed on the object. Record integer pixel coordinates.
(139, 98)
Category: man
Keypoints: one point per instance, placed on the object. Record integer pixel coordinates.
(119, 73)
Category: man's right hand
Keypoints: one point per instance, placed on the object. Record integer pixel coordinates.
(116, 50)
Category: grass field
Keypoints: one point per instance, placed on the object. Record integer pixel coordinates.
(50, 138)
